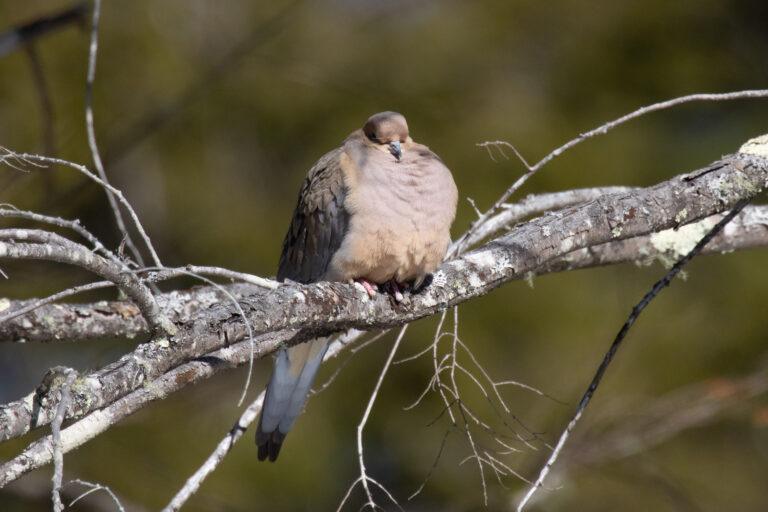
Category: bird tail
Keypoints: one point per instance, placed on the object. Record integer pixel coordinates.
(295, 370)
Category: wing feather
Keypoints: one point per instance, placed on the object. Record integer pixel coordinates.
(319, 223)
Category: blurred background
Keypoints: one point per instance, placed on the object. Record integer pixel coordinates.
(208, 115)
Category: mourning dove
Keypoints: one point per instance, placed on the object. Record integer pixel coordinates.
(377, 210)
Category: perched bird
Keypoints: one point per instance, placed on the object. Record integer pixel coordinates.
(377, 210)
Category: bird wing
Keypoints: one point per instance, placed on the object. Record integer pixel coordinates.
(319, 223)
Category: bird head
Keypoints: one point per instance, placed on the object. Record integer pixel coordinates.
(387, 129)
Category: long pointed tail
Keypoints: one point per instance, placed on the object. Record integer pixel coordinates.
(295, 371)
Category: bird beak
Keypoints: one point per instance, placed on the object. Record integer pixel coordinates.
(394, 148)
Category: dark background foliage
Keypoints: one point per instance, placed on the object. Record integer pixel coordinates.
(208, 115)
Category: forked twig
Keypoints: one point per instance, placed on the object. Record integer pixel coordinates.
(94, 488)
(364, 479)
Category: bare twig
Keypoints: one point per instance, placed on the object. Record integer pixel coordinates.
(42, 245)
(94, 48)
(58, 455)
(74, 225)
(222, 449)
(451, 394)
(249, 416)
(620, 435)
(512, 213)
(364, 478)
(33, 305)
(9, 157)
(456, 394)
(617, 343)
(94, 488)
(352, 353)
(46, 109)
(169, 273)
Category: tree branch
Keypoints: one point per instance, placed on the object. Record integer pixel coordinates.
(35, 244)
(322, 308)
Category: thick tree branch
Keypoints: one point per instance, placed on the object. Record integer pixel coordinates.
(114, 319)
(327, 307)
(40, 452)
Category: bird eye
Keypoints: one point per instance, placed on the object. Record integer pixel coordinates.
(372, 136)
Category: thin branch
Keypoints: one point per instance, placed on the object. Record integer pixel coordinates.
(228, 442)
(461, 408)
(222, 449)
(46, 109)
(36, 244)
(58, 455)
(8, 157)
(74, 225)
(434, 464)
(94, 488)
(512, 213)
(166, 273)
(364, 478)
(617, 343)
(35, 304)
(352, 353)
(93, 51)
(664, 417)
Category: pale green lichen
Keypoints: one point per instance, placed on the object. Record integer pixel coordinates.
(673, 244)
(4, 304)
(50, 323)
(757, 146)
(84, 390)
(743, 182)
(681, 216)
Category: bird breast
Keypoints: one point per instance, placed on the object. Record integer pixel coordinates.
(400, 216)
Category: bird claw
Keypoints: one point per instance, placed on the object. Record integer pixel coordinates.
(369, 287)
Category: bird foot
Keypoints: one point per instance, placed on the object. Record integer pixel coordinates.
(395, 287)
(369, 286)
(392, 287)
